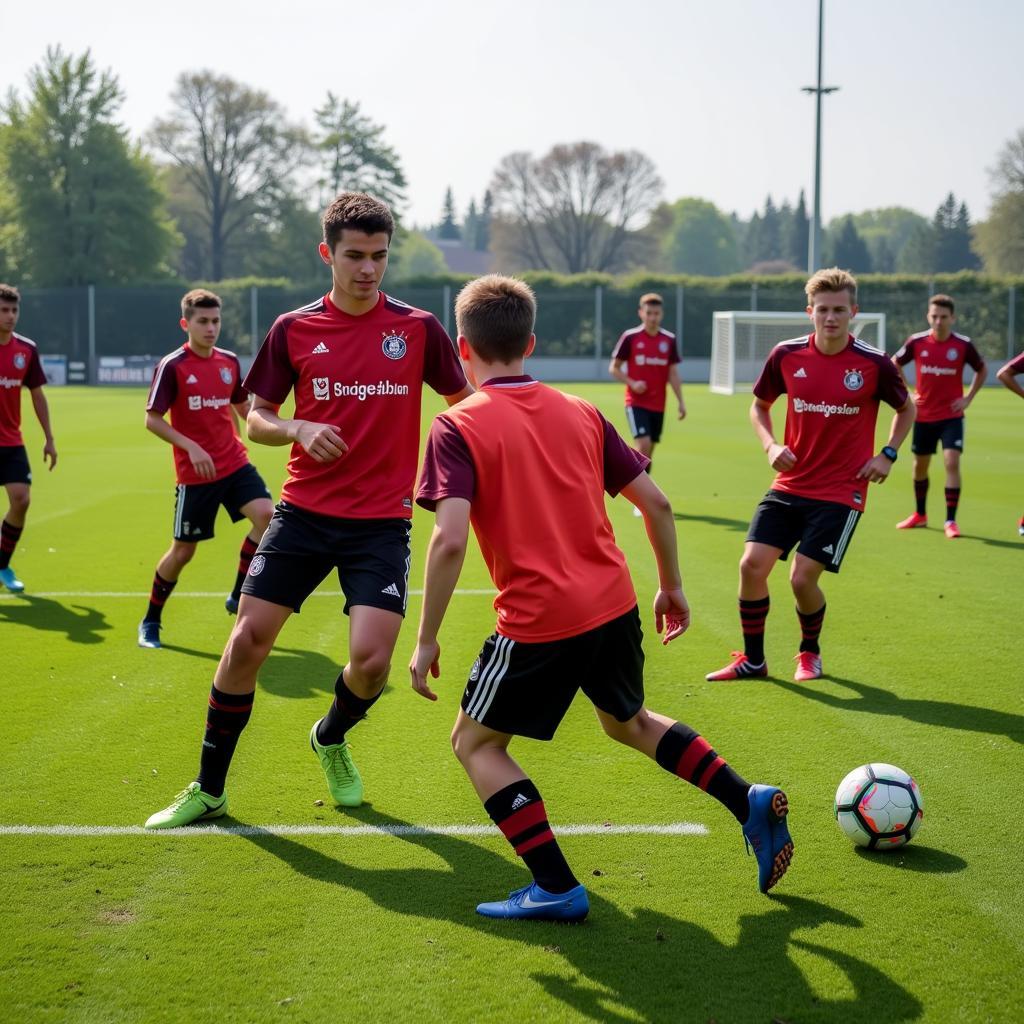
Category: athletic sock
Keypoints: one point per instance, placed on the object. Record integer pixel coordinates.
(810, 627)
(752, 616)
(226, 717)
(9, 536)
(249, 547)
(518, 811)
(346, 710)
(952, 501)
(688, 755)
(921, 495)
(158, 595)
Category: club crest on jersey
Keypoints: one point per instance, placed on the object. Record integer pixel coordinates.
(951, 354)
(393, 345)
(321, 388)
(663, 346)
(853, 380)
(256, 565)
(225, 375)
(19, 361)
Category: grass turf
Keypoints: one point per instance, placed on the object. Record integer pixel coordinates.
(922, 670)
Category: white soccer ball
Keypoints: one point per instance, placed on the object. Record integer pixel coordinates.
(879, 806)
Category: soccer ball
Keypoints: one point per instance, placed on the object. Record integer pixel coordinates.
(879, 806)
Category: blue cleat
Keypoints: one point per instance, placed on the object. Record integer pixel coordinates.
(767, 833)
(231, 604)
(149, 634)
(537, 904)
(10, 581)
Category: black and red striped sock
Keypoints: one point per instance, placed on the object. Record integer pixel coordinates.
(921, 495)
(9, 537)
(952, 501)
(810, 628)
(249, 547)
(688, 755)
(752, 618)
(226, 716)
(346, 710)
(161, 590)
(518, 811)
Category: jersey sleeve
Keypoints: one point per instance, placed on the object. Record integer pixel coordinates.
(622, 464)
(891, 388)
(239, 395)
(272, 375)
(972, 357)
(164, 389)
(906, 352)
(771, 383)
(621, 351)
(448, 470)
(1016, 364)
(442, 368)
(34, 375)
(673, 353)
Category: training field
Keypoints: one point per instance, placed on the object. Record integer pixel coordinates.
(302, 912)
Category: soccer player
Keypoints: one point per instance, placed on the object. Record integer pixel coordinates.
(567, 611)
(939, 356)
(834, 384)
(201, 386)
(19, 367)
(355, 362)
(1008, 378)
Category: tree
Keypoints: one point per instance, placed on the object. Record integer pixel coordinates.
(1000, 240)
(952, 229)
(573, 209)
(699, 239)
(448, 228)
(84, 204)
(796, 234)
(413, 255)
(848, 249)
(886, 231)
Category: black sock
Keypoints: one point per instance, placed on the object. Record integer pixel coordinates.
(518, 811)
(810, 627)
(689, 756)
(952, 501)
(158, 595)
(344, 712)
(9, 536)
(921, 495)
(249, 547)
(226, 717)
(752, 617)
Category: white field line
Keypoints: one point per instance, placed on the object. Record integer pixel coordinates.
(135, 594)
(677, 828)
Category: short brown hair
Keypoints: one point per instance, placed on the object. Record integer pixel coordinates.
(943, 300)
(8, 293)
(359, 212)
(495, 315)
(198, 298)
(831, 279)
(651, 299)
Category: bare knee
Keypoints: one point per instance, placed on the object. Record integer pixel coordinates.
(249, 641)
(371, 666)
(20, 503)
(754, 568)
(464, 745)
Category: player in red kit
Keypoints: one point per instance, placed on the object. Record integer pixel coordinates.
(355, 362)
(939, 356)
(200, 385)
(834, 384)
(567, 610)
(19, 368)
(1008, 375)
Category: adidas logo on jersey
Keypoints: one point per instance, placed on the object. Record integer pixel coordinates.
(828, 550)
(800, 373)
(519, 801)
(191, 379)
(320, 349)
(391, 590)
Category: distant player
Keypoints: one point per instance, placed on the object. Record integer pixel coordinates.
(646, 359)
(939, 356)
(200, 385)
(355, 362)
(834, 384)
(19, 368)
(1008, 375)
(567, 611)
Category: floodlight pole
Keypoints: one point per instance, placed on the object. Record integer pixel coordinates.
(814, 235)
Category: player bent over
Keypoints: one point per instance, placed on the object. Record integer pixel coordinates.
(1008, 378)
(201, 386)
(19, 368)
(834, 384)
(567, 611)
(356, 361)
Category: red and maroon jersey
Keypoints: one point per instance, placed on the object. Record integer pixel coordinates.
(537, 510)
(364, 375)
(199, 393)
(939, 368)
(19, 368)
(1016, 364)
(647, 358)
(831, 414)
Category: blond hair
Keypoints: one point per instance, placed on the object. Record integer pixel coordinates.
(831, 279)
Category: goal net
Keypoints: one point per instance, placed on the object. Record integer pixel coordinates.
(741, 341)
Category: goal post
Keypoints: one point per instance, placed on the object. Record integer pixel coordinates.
(741, 341)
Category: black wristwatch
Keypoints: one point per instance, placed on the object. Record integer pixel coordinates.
(890, 453)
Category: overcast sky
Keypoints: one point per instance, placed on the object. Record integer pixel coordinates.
(930, 90)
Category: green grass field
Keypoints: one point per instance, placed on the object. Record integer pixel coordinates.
(923, 669)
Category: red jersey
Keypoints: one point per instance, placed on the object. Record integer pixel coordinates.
(19, 367)
(199, 393)
(1017, 364)
(939, 369)
(364, 376)
(537, 509)
(648, 359)
(831, 414)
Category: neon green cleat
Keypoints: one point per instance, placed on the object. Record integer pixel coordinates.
(191, 804)
(343, 778)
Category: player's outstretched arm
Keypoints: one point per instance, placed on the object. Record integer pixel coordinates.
(780, 458)
(615, 368)
(445, 555)
(1007, 376)
(42, 411)
(321, 441)
(198, 455)
(676, 383)
(980, 376)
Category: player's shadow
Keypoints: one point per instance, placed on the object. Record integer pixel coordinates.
(645, 965)
(81, 624)
(993, 541)
(876, 701)
(739, 525)
(923, 859)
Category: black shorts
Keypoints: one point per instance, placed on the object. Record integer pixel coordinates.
(300, 548)
(14, 467)
(526, 689)
(928, 435)
(645, 422)
(822, 528)
(196, 505)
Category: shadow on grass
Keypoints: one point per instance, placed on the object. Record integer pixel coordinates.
(644, 965)
(877, 701)
(80, 624)
(993, 542)
(739, 525)
(924, 859)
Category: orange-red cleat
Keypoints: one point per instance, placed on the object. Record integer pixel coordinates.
(739, 668)
(952, 530)
(808, 666)
(912, 521)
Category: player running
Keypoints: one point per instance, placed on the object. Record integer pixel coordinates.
(834, 384)
(567, 610)
(1008, 375)
(201, 386)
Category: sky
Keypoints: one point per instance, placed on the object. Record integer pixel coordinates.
(929, 90)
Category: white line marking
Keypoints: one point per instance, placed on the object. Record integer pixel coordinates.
(198, 593)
